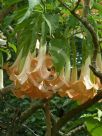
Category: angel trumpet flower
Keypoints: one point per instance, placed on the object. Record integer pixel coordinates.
(1, 79)
(99, 61)
(90, 80)
(99, 66)
(85, 71)
(15, 68)
(82, 89)
(1, 71)
(74, 74)
(23, 76)
(30, 80)
(40, 72)
(38, 78)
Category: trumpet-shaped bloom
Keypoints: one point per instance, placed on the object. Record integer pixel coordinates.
(23, 76)
(1, 79)
(38, 78)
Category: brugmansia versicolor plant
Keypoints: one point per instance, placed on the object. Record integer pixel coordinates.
(38, 79)
(36, 76)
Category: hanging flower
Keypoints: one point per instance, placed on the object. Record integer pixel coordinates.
(38, 79)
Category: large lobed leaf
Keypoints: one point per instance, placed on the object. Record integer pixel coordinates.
(32, 4)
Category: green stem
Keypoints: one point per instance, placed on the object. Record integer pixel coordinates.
(86, 8)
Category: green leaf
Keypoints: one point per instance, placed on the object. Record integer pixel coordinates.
(94, 127)
(72, 21)
(7, 53)
(11, 45)
(48, 23)
(32, 4)
(19, 13)
(52, 22)
(27, 14)
(99, 112)
(28, 36)
(59, 52)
